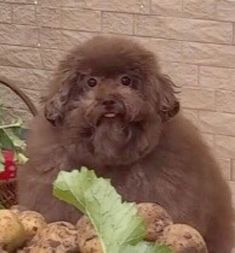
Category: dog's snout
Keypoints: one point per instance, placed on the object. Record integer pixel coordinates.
(113, 104)
(109, 102)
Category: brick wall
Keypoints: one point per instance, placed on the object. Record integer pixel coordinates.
(194, 39)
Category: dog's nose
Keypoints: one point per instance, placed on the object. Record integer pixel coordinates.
(109, 102)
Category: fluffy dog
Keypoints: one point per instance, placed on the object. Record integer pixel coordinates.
(111, 108)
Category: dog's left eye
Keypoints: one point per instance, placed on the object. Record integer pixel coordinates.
(126, 80)
(92, 82)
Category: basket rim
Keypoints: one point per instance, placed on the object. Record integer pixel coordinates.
(28, 102)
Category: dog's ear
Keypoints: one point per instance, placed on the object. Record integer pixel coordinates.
(56, 102)
(169, 106)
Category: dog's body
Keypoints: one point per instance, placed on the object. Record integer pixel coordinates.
(126, 128)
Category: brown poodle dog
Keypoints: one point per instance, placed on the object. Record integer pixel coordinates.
(110, 108)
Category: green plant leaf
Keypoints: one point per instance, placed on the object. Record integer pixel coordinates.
(18, 123)
(1, 156)
(116, 222)
(2, 167)
(10, 136)
(145, 247)
(21, 158)
(5, 140)
(17, 142)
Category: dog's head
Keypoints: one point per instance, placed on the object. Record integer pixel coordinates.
(110, 91)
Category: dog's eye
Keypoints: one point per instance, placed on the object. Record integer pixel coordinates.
(126, 80)
(92, 82)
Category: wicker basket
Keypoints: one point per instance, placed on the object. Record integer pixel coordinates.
(8, 196)
(8, 192)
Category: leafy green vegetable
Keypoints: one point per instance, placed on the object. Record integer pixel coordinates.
(118, 226)
(2, 167)
(10, 137)
(18, 123)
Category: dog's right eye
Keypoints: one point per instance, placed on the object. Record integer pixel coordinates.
(126, 80)
(92, 82)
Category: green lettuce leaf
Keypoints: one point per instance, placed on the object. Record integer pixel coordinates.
(10, 138)
(17, 124)
(17, 142)
(2, 167)
(5, 140)
(145, 247)
(118, 226)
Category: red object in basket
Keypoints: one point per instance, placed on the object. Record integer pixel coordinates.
(10, 166)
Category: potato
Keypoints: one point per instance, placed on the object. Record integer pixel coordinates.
(91, 246)
(47, 248)
(183, 239)
(156, 219)
(12, 233)
(17, 209)
(59, 236)
(88, 240)
(36, 249)
(32, 222)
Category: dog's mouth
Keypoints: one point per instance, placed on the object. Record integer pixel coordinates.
(110, 115)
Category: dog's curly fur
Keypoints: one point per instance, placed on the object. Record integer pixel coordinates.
(111, 108)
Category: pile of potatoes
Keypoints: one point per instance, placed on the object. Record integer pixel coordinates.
(28, 232)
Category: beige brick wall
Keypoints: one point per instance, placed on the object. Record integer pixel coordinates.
(195, 41)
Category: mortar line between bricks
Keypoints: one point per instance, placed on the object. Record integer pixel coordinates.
(197, 64)
(27, 68)
(189, 41)
(151, 37)
(147, 15)
(222, 135)
(12, 3)
(137, 13)
(176, 17)
(152, 14)
(136, 35)
(171, 62)
(118, 11)
(159, 38)
(210, 110)
(34, 47)
(206, 132)
(15, 24)
(199, 109)
(225, 112)
(6, 22)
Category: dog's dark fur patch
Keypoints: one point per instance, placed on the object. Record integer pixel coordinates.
(111, 108)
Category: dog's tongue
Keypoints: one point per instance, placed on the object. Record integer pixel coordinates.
(110, 115)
